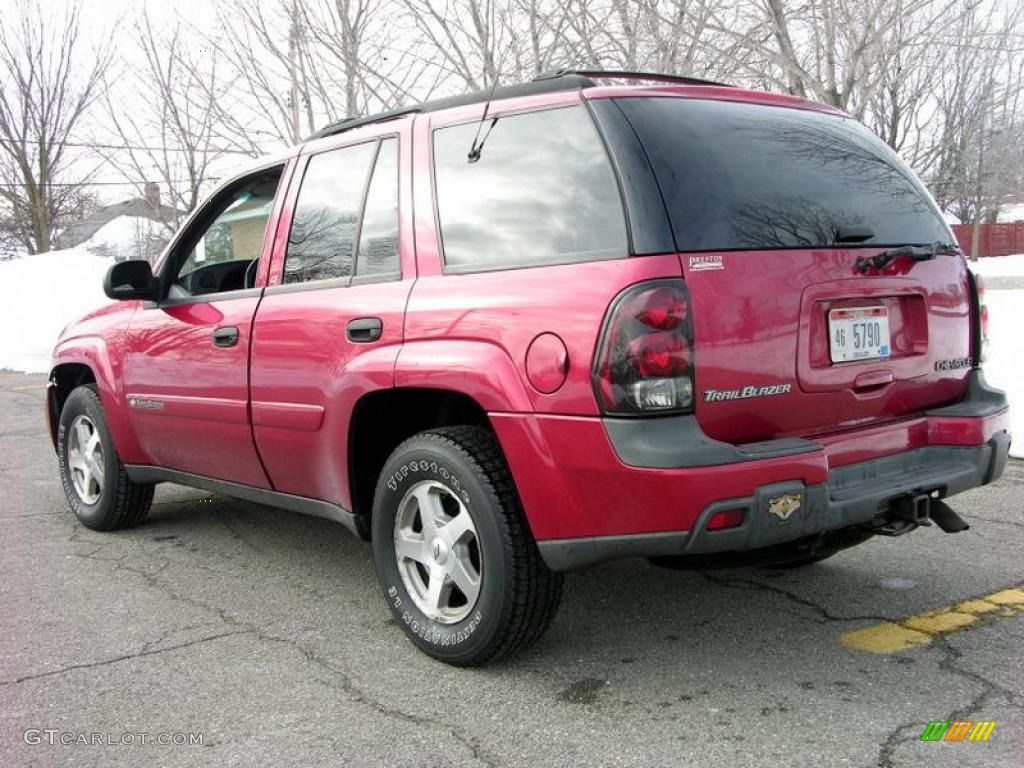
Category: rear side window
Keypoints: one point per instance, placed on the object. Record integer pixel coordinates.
(378, 236)
(744, 176)
(542, 192)
(322, 242)
(346, 221)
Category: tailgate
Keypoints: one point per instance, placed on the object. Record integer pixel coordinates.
(771, 207)
(765, 363)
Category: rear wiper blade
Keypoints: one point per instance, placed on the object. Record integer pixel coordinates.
(916, 252)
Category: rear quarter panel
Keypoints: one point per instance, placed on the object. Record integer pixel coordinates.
(505, 310)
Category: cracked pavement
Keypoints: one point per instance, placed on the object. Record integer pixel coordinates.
(265, 631)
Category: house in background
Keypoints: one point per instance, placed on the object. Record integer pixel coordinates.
(146, 207)
(246, 221)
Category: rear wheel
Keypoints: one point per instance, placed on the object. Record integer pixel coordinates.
(454, 556)
(95, 482)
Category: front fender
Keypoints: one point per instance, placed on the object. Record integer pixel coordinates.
(107, 370)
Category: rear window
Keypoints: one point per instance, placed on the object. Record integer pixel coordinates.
(542, 192)
(746, 176)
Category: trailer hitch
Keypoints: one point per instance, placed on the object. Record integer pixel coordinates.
(917, 509)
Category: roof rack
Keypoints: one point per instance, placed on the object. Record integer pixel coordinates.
(348, 123)
(624, 74)
(547, 82)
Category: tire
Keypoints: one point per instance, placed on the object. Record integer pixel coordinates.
(497, 595)
(95, 483)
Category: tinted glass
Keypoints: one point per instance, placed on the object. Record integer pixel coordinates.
(322, 241)
(542, 192)
(738, 176)
(378, 238)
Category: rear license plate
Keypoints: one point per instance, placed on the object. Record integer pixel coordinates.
(858, 333)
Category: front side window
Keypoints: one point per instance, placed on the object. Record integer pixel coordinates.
(739, 176)
(223, 254)
(541, 192)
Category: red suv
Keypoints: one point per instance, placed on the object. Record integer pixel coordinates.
(509, 334)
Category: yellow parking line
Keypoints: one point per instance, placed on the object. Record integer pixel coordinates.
(893, 636)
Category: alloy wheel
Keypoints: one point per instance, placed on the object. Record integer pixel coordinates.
(438, 552)
(85, 459)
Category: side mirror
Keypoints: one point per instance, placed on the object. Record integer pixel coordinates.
(130, 280)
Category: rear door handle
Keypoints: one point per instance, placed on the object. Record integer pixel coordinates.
(870, 379)
(365, 329)
(225, 336)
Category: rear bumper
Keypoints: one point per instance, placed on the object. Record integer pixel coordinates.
(853, 496)
(588, 502)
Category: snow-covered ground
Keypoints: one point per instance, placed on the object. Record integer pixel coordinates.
(41, 294)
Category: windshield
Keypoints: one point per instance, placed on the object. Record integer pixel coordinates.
(741, 176)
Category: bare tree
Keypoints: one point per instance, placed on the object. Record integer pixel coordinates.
(463, 39)
(47, 87)
(266, 48)
(838, 52)
(978, 115)
(938, 80)
(169, 137)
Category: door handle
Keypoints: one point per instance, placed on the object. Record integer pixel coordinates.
(225, 336)
(365, 329)
(872, 379)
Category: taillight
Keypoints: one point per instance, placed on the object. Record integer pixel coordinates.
(644, 361)
(979, 288)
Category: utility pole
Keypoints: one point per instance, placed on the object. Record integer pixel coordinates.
(979, 184)
(293, 51)
(978, 191)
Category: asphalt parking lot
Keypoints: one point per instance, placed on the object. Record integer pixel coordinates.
(264, 632)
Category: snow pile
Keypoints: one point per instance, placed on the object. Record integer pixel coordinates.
(1004, 364)
(999, 266)
(41, 294)
(127, 237)
(1013, 212)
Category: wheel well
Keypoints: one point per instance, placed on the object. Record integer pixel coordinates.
(65, 378)
(384, 419)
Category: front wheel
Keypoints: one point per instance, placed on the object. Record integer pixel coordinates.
(95, 482)
(454, 556)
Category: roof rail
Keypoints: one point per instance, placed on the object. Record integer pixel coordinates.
(564, 82)
(622, 74)
(348, 123)
(546, 82)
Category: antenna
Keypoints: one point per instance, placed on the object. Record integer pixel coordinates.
(478, 143)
